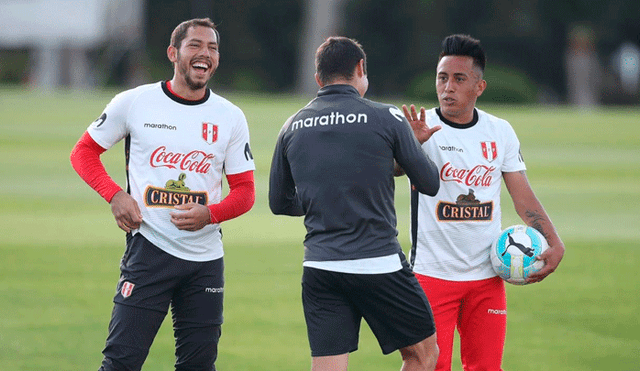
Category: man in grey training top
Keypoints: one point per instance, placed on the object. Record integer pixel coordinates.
(334, 164)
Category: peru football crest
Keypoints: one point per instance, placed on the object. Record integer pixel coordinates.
(209, 132)
(489, 150)
(127, 288)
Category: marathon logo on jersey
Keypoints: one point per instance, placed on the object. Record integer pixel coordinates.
(127, 289)
(209, 132)
(489, 150)
(466, 208)
(333, 118)
(152, 125)
(451, 149)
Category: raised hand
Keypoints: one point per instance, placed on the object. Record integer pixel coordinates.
(419, 124)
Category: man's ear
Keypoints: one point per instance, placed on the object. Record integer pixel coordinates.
(172, 54)
(318, 80)
(360, 68)
(482, 84)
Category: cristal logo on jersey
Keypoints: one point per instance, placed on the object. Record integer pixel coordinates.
(209, 132)
(489, 150)
(196, 161)
(175, 192)
(466, 208)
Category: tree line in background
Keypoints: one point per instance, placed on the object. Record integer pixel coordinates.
(525, 41)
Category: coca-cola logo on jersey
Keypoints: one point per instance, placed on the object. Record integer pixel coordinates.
(479, 176)
(196, 161)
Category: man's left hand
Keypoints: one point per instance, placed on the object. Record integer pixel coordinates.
(551, 258)
(190, 217)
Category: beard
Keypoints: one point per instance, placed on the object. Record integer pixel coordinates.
(194, 85)
(191, 83)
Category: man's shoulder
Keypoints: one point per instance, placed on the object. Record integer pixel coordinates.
(377, 105)
(496, 124)
(134, 93)
(220, 101)
(492, 119)
(385, 111)
(128, 98)
(142, 89)
(287, 123)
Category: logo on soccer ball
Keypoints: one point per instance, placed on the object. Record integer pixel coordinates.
(513, 254)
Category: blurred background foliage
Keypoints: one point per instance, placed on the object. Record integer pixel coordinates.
(525, 41)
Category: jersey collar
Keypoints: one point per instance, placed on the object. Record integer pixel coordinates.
(179, 99)
(338, 89)
(456, 125)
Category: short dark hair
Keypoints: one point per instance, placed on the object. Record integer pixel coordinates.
(180, 32)
(464, 45)
(338, 57)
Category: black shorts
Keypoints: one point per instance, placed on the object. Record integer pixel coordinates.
(393, 305)
(153, 279)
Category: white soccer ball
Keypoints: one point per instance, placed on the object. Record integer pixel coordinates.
(514, 252)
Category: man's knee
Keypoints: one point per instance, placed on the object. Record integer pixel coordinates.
(122, 358)
(423, 354)
(131, 333)
(332, 363)
(197, 348)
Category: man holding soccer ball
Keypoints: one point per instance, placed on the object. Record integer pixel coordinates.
(453, 231)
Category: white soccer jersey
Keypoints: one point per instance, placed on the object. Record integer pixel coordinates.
(456, 227)
(176, 152)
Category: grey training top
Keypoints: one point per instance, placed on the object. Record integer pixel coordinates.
(334, 164)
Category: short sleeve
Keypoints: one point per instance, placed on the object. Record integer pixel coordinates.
(238, 157)
(111, 126)
(513, 160)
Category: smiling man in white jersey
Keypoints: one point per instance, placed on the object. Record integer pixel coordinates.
(180, 139)
(453, 231)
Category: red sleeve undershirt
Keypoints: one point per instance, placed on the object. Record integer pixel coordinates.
(85, 159)
(241, 197)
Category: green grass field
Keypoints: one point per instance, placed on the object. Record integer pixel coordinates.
(60, 248)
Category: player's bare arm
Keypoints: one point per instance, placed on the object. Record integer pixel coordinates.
(533, 214)
(126, 211)
(190, 217)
